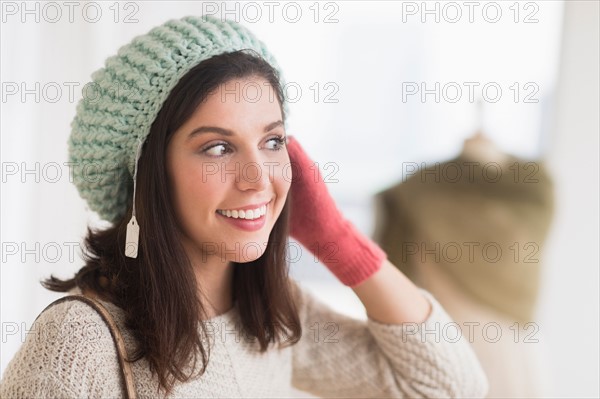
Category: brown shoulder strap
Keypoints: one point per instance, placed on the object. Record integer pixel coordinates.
(117, 338)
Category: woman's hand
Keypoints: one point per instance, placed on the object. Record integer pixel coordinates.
(319, 226)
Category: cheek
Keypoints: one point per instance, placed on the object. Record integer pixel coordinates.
(196, 189)
(282, 185)
(282, 180)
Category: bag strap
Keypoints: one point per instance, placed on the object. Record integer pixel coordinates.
(117, 338)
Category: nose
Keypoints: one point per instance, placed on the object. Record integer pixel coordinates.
(253, 174)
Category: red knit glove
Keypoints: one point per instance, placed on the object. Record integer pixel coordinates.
(318, 225)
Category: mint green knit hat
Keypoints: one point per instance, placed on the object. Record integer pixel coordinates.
(118, 107)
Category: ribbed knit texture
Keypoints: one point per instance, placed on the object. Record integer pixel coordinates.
(125, 96)
(337, 356)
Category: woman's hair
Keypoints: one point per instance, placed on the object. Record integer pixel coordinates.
(158, 290)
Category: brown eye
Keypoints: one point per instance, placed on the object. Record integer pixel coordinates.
(217, 150)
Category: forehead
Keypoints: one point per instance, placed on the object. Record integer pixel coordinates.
(244, 100)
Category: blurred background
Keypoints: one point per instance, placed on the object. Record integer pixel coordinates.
(378, 91)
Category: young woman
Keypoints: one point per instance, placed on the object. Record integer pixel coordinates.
(203, 186)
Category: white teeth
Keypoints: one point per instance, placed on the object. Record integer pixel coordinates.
(247, 214)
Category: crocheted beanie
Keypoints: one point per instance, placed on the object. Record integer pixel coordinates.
(118, 107)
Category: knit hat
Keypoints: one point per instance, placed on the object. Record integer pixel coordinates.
(118, 107)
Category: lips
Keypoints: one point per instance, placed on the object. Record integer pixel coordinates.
(250, 222)
(249, 214)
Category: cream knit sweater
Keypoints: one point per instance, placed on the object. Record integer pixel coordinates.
(74, 357)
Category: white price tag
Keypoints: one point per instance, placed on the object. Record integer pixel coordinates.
(132, 238)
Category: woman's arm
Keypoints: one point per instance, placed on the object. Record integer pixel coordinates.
(338, 356)
(391, 298)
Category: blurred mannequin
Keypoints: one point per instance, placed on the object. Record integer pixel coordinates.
(471, 230)
(481, 149)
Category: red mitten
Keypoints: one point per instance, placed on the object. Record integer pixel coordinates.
(318, 225)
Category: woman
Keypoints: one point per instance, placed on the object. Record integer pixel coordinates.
(195, 273)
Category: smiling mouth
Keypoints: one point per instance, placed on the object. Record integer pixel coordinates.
(250, 214)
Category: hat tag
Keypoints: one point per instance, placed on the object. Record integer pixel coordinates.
(132, 237)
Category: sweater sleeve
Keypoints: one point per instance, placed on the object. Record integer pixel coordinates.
(68, 353)
(339, 356)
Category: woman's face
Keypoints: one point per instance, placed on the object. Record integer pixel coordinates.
(228, 171)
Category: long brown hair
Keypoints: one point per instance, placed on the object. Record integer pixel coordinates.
(158, 290)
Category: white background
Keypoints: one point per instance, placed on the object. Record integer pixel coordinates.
(363, 54)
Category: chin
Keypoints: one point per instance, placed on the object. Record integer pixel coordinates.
(250, 252)
(246, 259)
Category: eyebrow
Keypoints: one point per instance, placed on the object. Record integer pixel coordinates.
(226, 132)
